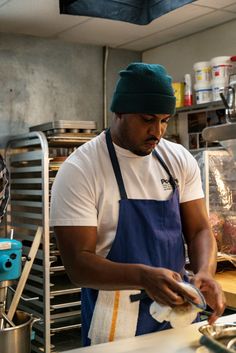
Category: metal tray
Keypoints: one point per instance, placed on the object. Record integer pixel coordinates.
(220, 338)
(65, 124)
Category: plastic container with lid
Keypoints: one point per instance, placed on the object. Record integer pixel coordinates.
(221, 67)
(202, 71)
(217, 87)
(203, 92)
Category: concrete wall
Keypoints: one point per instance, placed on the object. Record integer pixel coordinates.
(44, 80)
(179, 56)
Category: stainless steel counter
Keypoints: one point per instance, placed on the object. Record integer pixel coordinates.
(184, 340)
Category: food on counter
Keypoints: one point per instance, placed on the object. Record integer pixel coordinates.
(217, 224)
(229, 236)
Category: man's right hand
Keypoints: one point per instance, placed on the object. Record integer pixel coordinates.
(162, 285)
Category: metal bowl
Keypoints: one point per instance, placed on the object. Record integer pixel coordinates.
(219, 337)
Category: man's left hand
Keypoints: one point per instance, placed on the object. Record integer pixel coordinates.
(213, 294)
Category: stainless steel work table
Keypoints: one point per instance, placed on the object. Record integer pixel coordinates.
(184, 340)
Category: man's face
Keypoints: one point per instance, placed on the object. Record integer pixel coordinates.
(140, 133)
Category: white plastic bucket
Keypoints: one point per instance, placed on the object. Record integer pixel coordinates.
(217, 87)
(221, 67)
(203, 92)
(202, 71)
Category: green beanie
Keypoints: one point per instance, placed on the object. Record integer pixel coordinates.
(144, 88)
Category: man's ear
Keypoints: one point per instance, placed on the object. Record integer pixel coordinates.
(118, 115)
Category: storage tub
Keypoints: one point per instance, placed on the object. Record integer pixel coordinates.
(221, 67)
(202, 71)
(203, 93)
(217, 87)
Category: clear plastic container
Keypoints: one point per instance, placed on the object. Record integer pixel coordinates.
(203, 92)
(202, 71)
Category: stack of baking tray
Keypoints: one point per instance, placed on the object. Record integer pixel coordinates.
(63, 132)
(33, 160)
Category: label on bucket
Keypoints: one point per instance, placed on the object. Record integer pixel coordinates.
(217, 87)
(203, 74)
(221, 71)
(216, 93)
(203, 96)
(202, 71)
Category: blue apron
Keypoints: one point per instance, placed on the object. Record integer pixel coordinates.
(149, 232)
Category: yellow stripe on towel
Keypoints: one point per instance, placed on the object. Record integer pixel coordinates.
(114, 316)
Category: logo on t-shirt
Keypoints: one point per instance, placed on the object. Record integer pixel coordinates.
(167, 185)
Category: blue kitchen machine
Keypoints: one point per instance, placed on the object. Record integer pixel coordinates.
(10, 268)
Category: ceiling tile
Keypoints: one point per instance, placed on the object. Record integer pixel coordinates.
(116, 33)
(180, 31)
(173, 18)
(215, 4)
(101, 32)
(35, 17)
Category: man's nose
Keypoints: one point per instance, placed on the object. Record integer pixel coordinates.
(156, 129)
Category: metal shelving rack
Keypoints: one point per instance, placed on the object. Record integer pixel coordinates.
(192, 120)
(33, 160)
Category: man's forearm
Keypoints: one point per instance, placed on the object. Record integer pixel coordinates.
(202, 252)
(92, 271)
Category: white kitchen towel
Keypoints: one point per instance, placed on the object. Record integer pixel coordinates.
(179, 316)
(160, 312)
(114, 316)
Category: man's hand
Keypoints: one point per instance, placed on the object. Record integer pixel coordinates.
(212, 292)
(162, 285)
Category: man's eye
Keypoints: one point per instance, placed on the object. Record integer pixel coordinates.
(148, 120)
(165, 121)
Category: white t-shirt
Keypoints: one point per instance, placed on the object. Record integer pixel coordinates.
(85, 191)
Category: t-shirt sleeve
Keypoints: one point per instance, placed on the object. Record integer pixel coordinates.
(192, 188)
(72, 198)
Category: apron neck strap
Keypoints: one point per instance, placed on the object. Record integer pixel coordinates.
(171, 179)
(115, 164)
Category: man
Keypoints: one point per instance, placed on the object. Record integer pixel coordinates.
(120, 205)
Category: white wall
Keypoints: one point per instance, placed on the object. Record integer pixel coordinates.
(179, 56)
